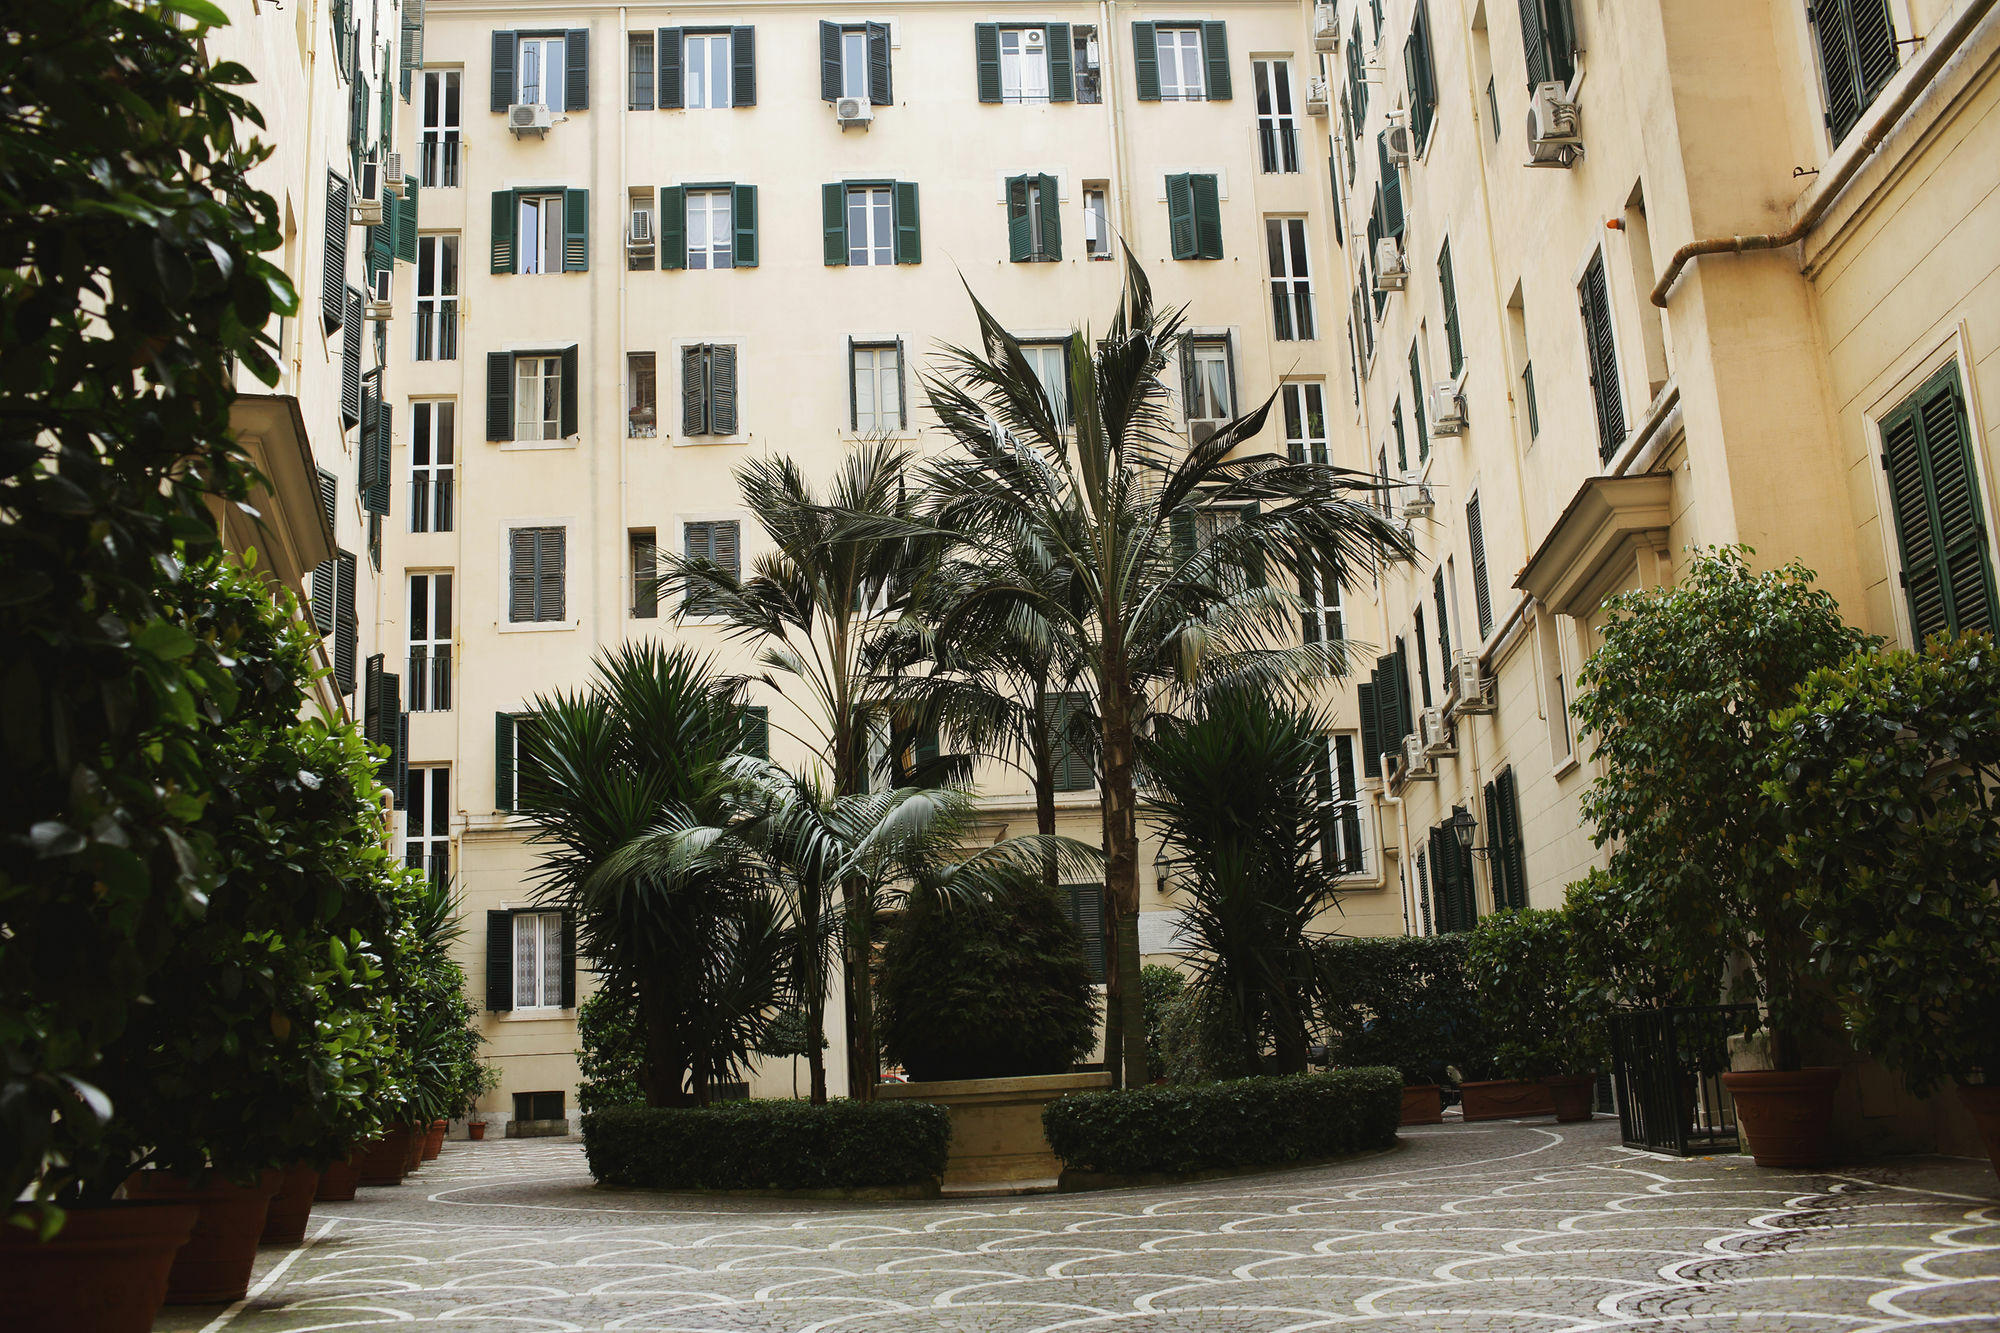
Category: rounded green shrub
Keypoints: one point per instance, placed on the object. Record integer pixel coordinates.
(985, 989)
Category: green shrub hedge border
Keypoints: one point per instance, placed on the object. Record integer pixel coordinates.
(1247, 1122)
(769, 1145)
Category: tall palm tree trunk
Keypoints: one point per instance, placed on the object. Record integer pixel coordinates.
(1125, 1023)
(814, 999)
(863, 1058)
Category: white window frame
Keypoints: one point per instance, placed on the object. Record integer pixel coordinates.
(1024, 74)
(1294, 317)
(538, 960)
(434, 335)
(1343, 799)
(1097, 222)
(1277, 115)
(537, 378)
(1321, 600)
(876, 374)
(716, 246)
(433, 464)
(547, 53)
(1049, 362)
(1299, 398)
(430, 593)
(427, 817)
(713, 87)
(440, 134)
(642, 395)
(1211, 377)
(873, 243)
(538, 232)
(1172, 47)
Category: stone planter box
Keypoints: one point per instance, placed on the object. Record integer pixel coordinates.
(997, 1145)
(1505, 1099)
(1423, 1104)
(537, 1129)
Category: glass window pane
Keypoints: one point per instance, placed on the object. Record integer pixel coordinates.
(552, 964)
(854, 64)
(857, 226)
(885, 227)
(526, 937)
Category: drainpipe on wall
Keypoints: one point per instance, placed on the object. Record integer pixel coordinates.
(624, 204)
(1107, 92)
(1402, 859)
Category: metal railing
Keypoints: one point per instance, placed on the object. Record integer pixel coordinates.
(431, 501)
(1278, 144)
(430, 679)
(1667, 1067)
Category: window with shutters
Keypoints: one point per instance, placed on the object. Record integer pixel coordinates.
(710, 229)
(1343, 832)
(1291, 280)
(1548, 40)
(1069, 741)
(538, 398)
(429, 676)
(1034, 219)
(1451, 882)
(1402, 440)
(1357, 92)
(1600, 350)
(1857, 56)
(1277, 123)
(1475, 535)
(706, 63)
(510, 758)
(1423, 654)
(708, 389)
(437, 297)
(1419, 400)
(536, 575)
(644, 549)
(875, 387)
(1207, 380)
(639, 71)
(642, 395)
(427, 822)
(1305, 421)
(1944, 546)
(1024, 65)
(538, 233)
(433, 470)
(854, 62)
(1506, 848)
(1425, 922)
(717, 546)
(756, 731)
(438, 140)
(871, 225)
(1194, 216)
(1084, 905)
(538, 960)
(1448, 295)
(1084, 61)
(1421, 74)
(1050, 362)
(1096, 223)
(538, 66)
(708, 226)
(1181, 65)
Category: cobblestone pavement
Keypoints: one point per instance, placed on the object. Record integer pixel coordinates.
(1503, 1226)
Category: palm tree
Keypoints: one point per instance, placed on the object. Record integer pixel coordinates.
(819, 608)
(641, 749)
(1162, 545)
(1234, 790)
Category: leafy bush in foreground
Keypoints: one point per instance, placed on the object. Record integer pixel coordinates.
(768, 1145)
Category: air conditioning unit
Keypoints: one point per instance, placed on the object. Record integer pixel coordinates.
(1316, 98)
(1555, 136)
(529, 118)
(853, 111)
(640, 235)
(392, 170)
(1435, 729)
(1417, 766)
(1199, 429)
(1447, 410)
(1470, 686)
(1391, 273)
(379, 285)
(368, 195)
(1400, 143)
(1031, 40)
(1326, 27)
(1420, 504)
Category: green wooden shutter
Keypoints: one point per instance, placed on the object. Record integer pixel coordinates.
(1402, 441)
(503, 762)
(909, 236)
(576, 69)
(1357, 87)
(986, 58)
(743, 66)
(1418, 411)
(1448, 291)
(833, 222)
(694, 390)
(1390, 189)
(568, 390)
(550, 573)
(499, 396)
(1207, 218)
(757, 731)
(1020, 246)
(673, 227)
(880, 90)
(406, 223)
(576, 231)
(1062, 64)
(1051, 200)
(1601, 352)
(1875, 50)
(1215, 59)
(1180, 217)
(1533, 44)
(504, 216)
(1421, 77)
(1083, 904)
(1475, 534)
(568, 959)
(670, 54)
(380, 252)
(722, 389)
(1510, 832)
(1352, 859)
(1947, 570)
(743, 212)
(1371, 739)
(503, 70)
(333, 256)
(1146, 62)
(1444, 623)
(350, 361)
(500, 961)
(829, 61)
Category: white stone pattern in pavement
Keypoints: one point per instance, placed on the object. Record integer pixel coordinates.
(1507, 1226)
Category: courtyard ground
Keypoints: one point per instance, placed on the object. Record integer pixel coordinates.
(1503, 1226)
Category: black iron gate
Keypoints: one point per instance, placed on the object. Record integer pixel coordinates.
(1668, 1066)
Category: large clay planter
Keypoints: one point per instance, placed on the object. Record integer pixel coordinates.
(1505, 1099)
(380, 1161)
(1572, 1096)
(413, 1147)
(291, 1206)
(337, 1181)
(434, 1139)
(214, 1266)
(997, 1144)
(1423, 1104)
(1787, 1115)
(105, 1272)
(1984, 1103)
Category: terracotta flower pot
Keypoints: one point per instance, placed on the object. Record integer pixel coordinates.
(475, 1130)
(1571, 1094)
(291, 1206)
(214, 1266)
(1984, 1103)
(413, 1147)
(380, 1161)
(1505, 1099)
(105, 1271)
(1787, 1115)
(337, 1181)
(1423, 1104)
(434, 1139)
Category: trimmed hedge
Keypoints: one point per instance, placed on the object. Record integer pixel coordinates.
(1247, 1122)
(768, 1145)
(1403, 1001)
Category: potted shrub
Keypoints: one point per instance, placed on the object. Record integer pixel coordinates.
(1678, 699)
(1886, 768)
(1404, 1002)
(483, 1078)
(1522, 968)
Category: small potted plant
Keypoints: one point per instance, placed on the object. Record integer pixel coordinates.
(485, 1079)
(1522, 967)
